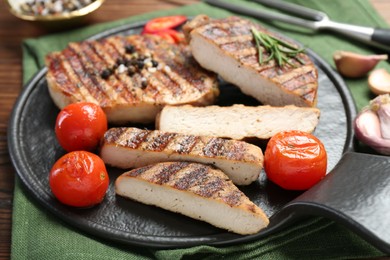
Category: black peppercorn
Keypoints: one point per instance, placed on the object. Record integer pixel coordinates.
(131, 70)
(106, 73)
(144, 84)
(154, 63)
(127, 62)
(140, 64)
(120, 61)
(129, 49)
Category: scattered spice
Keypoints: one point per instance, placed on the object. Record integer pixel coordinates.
(132, 62)
(52, 7)
(278, 49)
(129, 49)
(106, 73)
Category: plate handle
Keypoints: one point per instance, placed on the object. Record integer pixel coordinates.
(356, 193)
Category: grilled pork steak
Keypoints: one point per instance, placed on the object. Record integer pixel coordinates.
(237, 121)
(227, 47)
(194, 190)
(132, 147)
(130, 77)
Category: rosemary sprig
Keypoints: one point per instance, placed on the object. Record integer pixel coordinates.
(281, 51)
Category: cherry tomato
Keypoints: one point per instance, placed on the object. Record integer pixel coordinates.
(169, 35)
(80, 126)
(295, 160)
(79, 179)
(164, 23)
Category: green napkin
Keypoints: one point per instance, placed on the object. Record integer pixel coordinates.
(37, 234)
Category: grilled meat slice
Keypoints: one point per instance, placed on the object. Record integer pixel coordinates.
(237, 121)
(194, 190)
(132, 148)
(130, 77)
(227, 47)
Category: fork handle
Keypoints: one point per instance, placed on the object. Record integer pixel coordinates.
(377, 37)
(381, 36)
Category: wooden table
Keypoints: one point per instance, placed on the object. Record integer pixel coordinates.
(12, 33)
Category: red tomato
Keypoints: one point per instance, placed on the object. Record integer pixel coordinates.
(79, 179)
(164, 23)
(295, 160)
(80, 126)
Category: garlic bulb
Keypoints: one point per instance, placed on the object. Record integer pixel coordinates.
(353, 65)
(372, 124)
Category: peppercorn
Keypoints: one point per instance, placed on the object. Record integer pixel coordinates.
(120, 61)
(106, 73)
(129, 49)
(42, 7)
(131, 70)
(154, 63)
(144, 84)
(140, 64)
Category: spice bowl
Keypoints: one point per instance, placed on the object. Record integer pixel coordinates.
(54, 14)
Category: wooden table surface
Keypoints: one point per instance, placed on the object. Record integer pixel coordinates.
(12, 33)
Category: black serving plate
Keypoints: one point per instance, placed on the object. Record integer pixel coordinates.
(34, 149)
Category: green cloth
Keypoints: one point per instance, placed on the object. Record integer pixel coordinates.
(37, 234)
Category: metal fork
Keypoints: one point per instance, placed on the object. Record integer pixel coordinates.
(311, 19)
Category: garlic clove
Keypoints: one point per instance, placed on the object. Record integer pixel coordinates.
(368, 131)
(384, 119)
(379, 82)
(354, 65)
(372, 124)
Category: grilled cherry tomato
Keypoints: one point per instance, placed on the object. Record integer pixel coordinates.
(79, 179)
(80, 126)
(295, 160)
(164, 23)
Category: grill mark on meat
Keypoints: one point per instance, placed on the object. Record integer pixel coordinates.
(117, 45)
(115, 135)
(183, 72)
(195, 175)
(165, 173)
(140, 171)
(187, 144)
(111, 50)
(237, 151)
(215, 147)
(210, 188)
(118, 83)
(238, 41)
(87, 74)
(299, 81)
(236, 46)
(85, 95)
(94, 65)
(159, 141)
(218, 147)
(233, 198)
(134, 139)
(83, 76)
(60, 75)
(225, 29)
(135, 81)
(168, 77)
(161, 82)
(123, 88)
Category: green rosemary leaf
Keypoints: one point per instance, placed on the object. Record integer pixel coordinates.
(279, 50)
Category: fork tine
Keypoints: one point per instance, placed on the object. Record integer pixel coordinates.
(291, 8)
